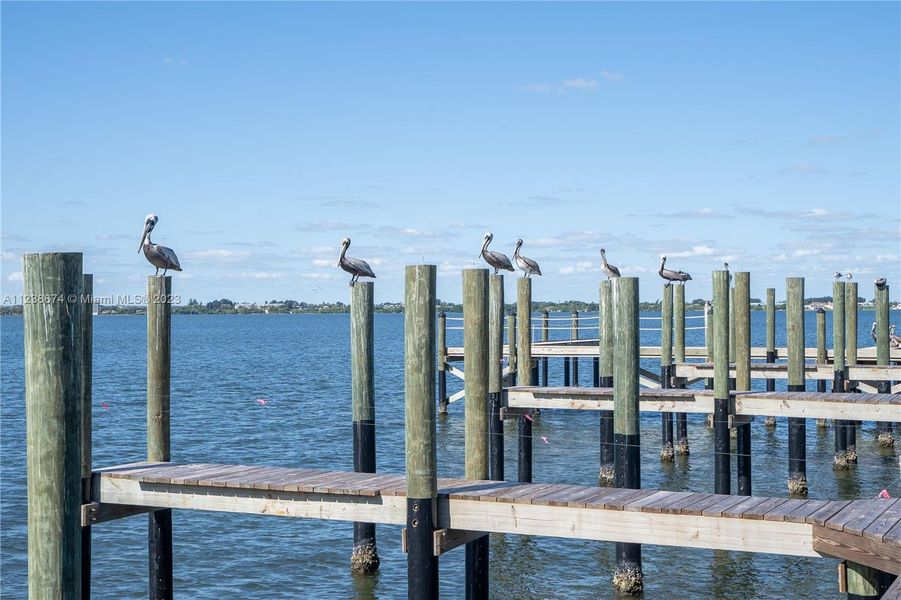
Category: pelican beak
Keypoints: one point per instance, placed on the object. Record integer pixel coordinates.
(147, 228)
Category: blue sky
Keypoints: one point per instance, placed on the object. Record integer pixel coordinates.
(261, 134)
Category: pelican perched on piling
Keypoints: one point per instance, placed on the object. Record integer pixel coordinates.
(160, 257)
(355, 266)
(609, 270)
(848, 276)
(893, 340)
(880, 282)
(728, 274)
(495, 259)
(528, 266)
(670, 275)
(836, 275)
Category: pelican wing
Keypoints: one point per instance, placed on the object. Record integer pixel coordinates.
(359, 266)
(498, 260)
(611, 271)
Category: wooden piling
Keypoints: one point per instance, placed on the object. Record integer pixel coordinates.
(545, 326)
(709, 340)
(475, 349)
(419, 429)
(442, 363)
(679, 355)
(885, 436)
(495, 376)
(721, 312)
(627, 578)
(605, 379)
(87, 386)
(667, 452)
(770, 345)
(797, 427)
(866, 582)
(822, 356)
(851, 307)
(364, 559)
(840, 460)
(524, 358)
(53, 313)
(511, 347)
(159, 360)
(574, 335)
(742, 312)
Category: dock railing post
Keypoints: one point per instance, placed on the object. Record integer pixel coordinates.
(679, 356)
(605, 379)
(364, 559)
(721, 311)
(544, 337)
(53, 313)
(742, 312)
(840, 460)
(851, 360)
(419, 430)
(770, 421)
(627, 578)
(822, 355)
(87, 383)
(442, 363)
(495, 376)
(524, 369)
(885, 436)
(475, 349)
(797, 426)
(159, 354)
(574, 335)
(667, 452)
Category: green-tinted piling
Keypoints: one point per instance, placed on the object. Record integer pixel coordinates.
(159, 365)
(667, 451)
(495, 376)
(721, 312)
(511, 348)
(545, 326)
(770, 345)
(627, 578)
(742, 313)
(54, 352)
(885, 436)
(605, 379)
(364, 559)
(797, 426)
(87, 385)
(679, 356)
(419, 429)
(442, 363)
(840, 460)
(524, 357)
(851, 307)
(475, 349)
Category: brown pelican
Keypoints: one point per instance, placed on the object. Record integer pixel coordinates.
(608, 269)
(893, 340)
(728, 274)
(495, 259)
(873, 331)
(670, 275)
(527, 265)
(160, 257)
(836, 275)
(880, 282)
(848, 276)
(355, 266)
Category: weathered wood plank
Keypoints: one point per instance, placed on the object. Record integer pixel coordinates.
(885, 557)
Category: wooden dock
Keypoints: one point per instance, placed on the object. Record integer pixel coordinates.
(811, 405)
(865, 531)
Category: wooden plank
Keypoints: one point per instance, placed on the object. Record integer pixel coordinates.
(660, 505)
(821, 515)
(689, 500)
(888, 519)
(726, 502)
(809, 508)
(221, 479)
(882, 556)
(758, 511)
(95, 512)
(447, 539)
(574, 497)
(697, 508)
(639, 503)
(542, 498)
(855, 517)
(738, 511)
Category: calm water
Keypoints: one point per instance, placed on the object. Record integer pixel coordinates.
(222, 364)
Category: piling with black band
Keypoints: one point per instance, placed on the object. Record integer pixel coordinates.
(53, 422)
(851, 360)
(544, 337)
(681, 436)
(495, 376)
(442, 363)
(87, 382)
(574, 335)
(511, 347)
(797, 426)
(840, 460)
(364, 559)
(475, 349)
(419, 429)
(721, 311)
(885, 436)
(667, 451)
(742, 312)
(627, 579)
(524, 357)
(822, 356)
(709, 340)
(159, 355)
(770, 421)
(605, 379)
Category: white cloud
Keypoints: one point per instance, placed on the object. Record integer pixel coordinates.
(217, 254)
(695, 251)
(15, 276)
(7, 256)
(612, 75)
(579, 83)
(255, 275)
(537, 88)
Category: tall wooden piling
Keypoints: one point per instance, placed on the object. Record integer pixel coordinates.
(885, 436)
(54, 351)
(851, 306)
(865, 582)
(87, 427)
(524, 358)
(495, 376)
(721, 311)
(822, 356)
(742, 312)
(679, 356)
(574, 335)
(442, 363)
(159, 364)
(709, 340)
(545, 326)
(419, 430)
(770, 345)
(364, 558)
(627, 578)
(605, 379)
(840, 460)
(666, 367)
(511, 347)
(475, 349)
(797, 426)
